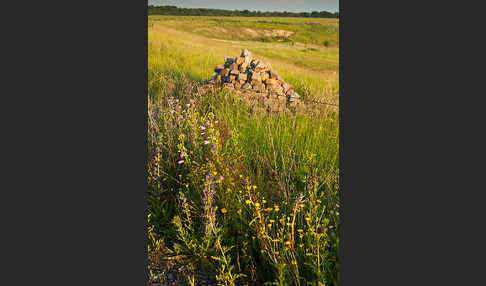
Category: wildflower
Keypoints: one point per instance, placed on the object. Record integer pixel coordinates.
(254, 187)
(300, 230)
(289, 224)
(241, 176)
(276, 208)
(301, 235)
(223, 210)
(188, 105)
(272, 221)
(318, 201)
(202, 127)
(239, 211)
(216, 121)
(277, 252)
(294, 262)
(178, 107)
(301, 245)
(301, 205)
(221, 178)
(171, 102)
(215, 173)
(287, 242)
(248, 202)
(206, 142)
(275, 240)
(257, 205)
(214, 147)
(172, 111)
(264, 201)
(180, 162)
(183, 155)
(269, 225)
(307, 219)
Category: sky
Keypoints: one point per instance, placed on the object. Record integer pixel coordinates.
(261, 5)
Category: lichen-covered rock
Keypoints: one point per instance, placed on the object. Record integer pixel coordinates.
(225, 72)
(245, 53)
(218, 68)
(246, 86)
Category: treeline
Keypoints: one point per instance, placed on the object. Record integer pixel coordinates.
(174, 10)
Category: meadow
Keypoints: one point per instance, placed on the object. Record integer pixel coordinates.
(250, 197)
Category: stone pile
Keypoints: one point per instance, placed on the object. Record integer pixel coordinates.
(258, 82)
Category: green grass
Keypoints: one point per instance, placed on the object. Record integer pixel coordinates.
(305, 30)
(261, 168)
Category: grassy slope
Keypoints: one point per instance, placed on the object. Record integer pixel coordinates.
(306, 30)
(314, 73)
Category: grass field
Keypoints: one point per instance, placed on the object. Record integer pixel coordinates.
(254, 198)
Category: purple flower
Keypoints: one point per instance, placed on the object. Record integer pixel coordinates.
(178, 107)
(202, 127)
(214, 147)
(171, 102)
(207, 123)
(188, 105)
(206, 142)
(177, 100)
(180, 162)
(193, 105)
(221, 178)
(183, 154)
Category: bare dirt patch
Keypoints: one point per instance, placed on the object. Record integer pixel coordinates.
(278, 33)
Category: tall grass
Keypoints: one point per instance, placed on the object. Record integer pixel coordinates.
(251, 196)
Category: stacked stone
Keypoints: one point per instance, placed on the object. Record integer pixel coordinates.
(257, 81)
(247, 73)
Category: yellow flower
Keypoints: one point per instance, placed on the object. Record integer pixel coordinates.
(248, 202)
(215, 173)
(223, 210)
(301, 235)
(294, 262)
(289, 224)
(272, 221)
(254, 187)
(300, 230)
(241, 176)
(239, 211)
(301, 205)
(269, 225)
(264, 201)
(275, 240)
(276, 208)
(228, 190)
(276, 252)
(287, 242)
(257, 205)
(318, 201)
(307, 219)
(301, 245)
